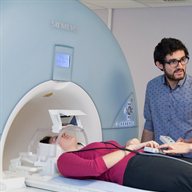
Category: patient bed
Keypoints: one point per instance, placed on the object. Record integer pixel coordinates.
(47, 177)
(61, 184)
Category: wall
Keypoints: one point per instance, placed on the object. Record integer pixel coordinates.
(138, 30)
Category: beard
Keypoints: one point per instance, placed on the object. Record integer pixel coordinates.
(174, 76)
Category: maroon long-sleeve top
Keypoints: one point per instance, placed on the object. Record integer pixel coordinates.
(88, 163)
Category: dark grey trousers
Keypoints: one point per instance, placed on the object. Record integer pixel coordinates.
(158, 174)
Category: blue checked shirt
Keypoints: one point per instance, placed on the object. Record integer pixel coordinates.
(168, 111)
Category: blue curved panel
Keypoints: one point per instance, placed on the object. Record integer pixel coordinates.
(30, 30)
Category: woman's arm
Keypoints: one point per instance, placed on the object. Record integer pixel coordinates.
(72, 165)
(114, 157)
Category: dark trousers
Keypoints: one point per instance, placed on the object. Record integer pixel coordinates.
(158, 174)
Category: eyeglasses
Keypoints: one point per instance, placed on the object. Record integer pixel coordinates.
(175, 62)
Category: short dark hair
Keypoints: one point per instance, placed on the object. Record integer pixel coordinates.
(45, 139)
(168, 46)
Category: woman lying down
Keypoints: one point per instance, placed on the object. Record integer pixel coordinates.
(109, 161)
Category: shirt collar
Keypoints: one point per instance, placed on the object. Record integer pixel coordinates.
(180, 83)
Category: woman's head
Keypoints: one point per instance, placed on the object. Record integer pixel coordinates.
(66, 141)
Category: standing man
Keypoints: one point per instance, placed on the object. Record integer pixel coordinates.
(168, 99)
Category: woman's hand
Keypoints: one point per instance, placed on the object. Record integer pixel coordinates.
(142, 145)
(152, 143)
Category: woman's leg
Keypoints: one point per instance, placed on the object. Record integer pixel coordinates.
(158, 174)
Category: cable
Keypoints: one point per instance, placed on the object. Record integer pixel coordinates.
(92, 149)
(124, 149)
(98, 148)
(134, 151)
(151, 154)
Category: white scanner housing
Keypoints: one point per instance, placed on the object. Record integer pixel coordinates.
(68, 114)
(58, 55)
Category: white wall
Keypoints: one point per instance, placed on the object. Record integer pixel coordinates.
(139, 30)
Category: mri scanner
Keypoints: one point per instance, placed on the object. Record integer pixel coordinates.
(58, 55)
